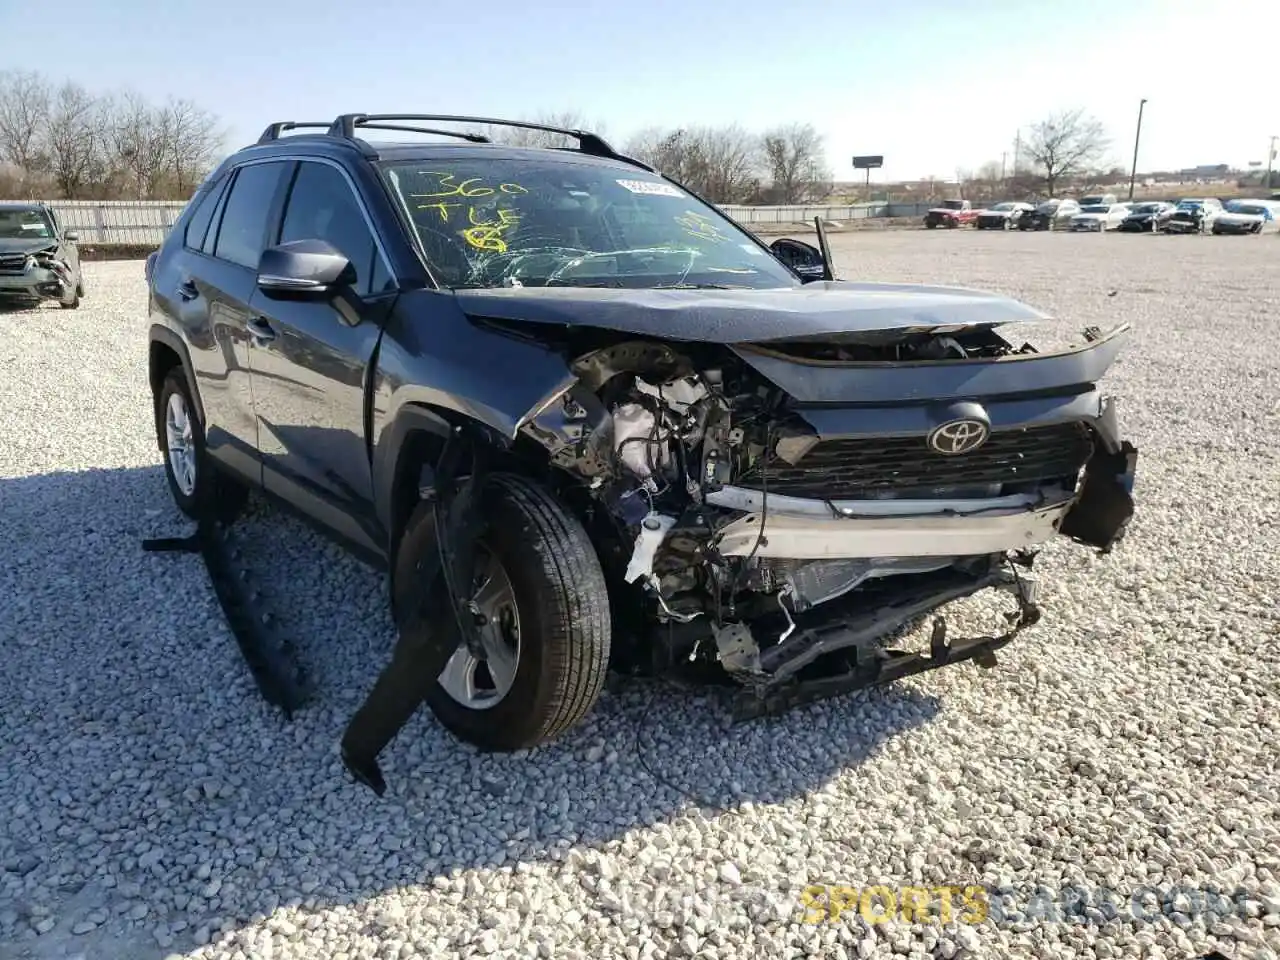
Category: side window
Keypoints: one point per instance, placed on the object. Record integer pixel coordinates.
(243, 230)
(201, 217)
(211, 235)
(322, 206)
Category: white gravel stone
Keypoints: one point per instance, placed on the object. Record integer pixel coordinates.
(1126, 742)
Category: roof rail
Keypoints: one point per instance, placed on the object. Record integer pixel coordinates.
(589, 143)
(473, 137)
(274, 130)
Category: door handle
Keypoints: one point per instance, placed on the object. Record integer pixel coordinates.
(261, 331)
(187, 290)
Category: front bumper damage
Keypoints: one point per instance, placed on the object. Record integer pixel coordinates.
(922, 556)
(38, 276)
(846, 636)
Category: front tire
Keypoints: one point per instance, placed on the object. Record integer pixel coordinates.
(197, 488)
(546, 628)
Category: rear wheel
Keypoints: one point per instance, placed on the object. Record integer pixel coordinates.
(542, 611)
(198, 489)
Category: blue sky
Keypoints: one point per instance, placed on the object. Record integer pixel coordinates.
(932, 85)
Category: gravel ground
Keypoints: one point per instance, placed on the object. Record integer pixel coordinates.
(156, 806)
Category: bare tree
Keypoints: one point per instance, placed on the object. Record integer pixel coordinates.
(520, 137)
(1064, 145)
(797, 164)
(71, 142)
(24, 118)
(193, 139)
(990, 172)
(138, 140)
(722, 164)
(74, 140)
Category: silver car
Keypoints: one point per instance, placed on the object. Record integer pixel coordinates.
(39, 260)
(1248, 216)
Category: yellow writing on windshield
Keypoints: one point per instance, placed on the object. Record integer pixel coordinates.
(441, 208)
(699, 226)
(447, 185)
(490, 234)
(447, 198)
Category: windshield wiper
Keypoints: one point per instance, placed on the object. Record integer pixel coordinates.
(700, 286)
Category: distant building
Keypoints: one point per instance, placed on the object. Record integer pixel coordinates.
(1207, 170)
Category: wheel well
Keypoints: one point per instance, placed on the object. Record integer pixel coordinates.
(421, 448)
(161, 360)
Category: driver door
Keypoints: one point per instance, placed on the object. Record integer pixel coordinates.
(311, 363)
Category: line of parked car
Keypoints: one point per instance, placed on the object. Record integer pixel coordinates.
(1103, 212)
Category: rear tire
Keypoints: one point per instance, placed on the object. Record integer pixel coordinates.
(562, 633)
(198, 488)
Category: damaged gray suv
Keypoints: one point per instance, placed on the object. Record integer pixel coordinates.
(584, 420)
(39, 259)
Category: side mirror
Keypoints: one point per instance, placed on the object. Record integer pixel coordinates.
(805, 259)
(303, 269)
(71, 236)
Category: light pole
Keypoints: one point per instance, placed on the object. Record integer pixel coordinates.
(1133, 174)
(1271, 155)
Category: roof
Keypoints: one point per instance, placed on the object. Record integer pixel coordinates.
(341, 136)
(323, 145)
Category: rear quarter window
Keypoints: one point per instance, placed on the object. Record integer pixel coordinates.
(206, 202)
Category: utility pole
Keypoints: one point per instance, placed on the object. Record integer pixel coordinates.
(1271, 155)
(1002, 159)
(1017, 150)
(1133, 174)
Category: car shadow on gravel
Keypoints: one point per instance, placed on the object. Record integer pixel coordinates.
(155, 799)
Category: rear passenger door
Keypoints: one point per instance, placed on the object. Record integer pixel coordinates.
(312, 361)
(215, 281)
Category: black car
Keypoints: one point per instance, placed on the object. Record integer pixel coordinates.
(1146, 217)
(1191, 215)
(1050, 215)
(584, 419)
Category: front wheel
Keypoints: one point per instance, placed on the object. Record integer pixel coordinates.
(541, 605)
(74, 302)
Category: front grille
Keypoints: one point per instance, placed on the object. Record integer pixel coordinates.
(894, 467)
(13, 264)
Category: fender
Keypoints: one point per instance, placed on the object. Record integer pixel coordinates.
(389, 452)
(159, 333)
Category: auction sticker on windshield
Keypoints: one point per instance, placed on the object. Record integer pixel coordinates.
(654, 188)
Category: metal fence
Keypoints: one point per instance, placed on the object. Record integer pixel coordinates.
(803, 214)
(148, 221)
(119, 221)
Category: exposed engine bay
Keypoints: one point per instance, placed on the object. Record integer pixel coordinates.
(751, 535)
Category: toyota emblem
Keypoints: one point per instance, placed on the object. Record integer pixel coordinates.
(959, 436)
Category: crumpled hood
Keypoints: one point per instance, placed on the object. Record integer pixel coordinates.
(25, 244)
(823, 308)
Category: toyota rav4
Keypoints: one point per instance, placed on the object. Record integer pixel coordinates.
(584, 420)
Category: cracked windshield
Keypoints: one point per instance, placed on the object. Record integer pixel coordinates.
(520, 223)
